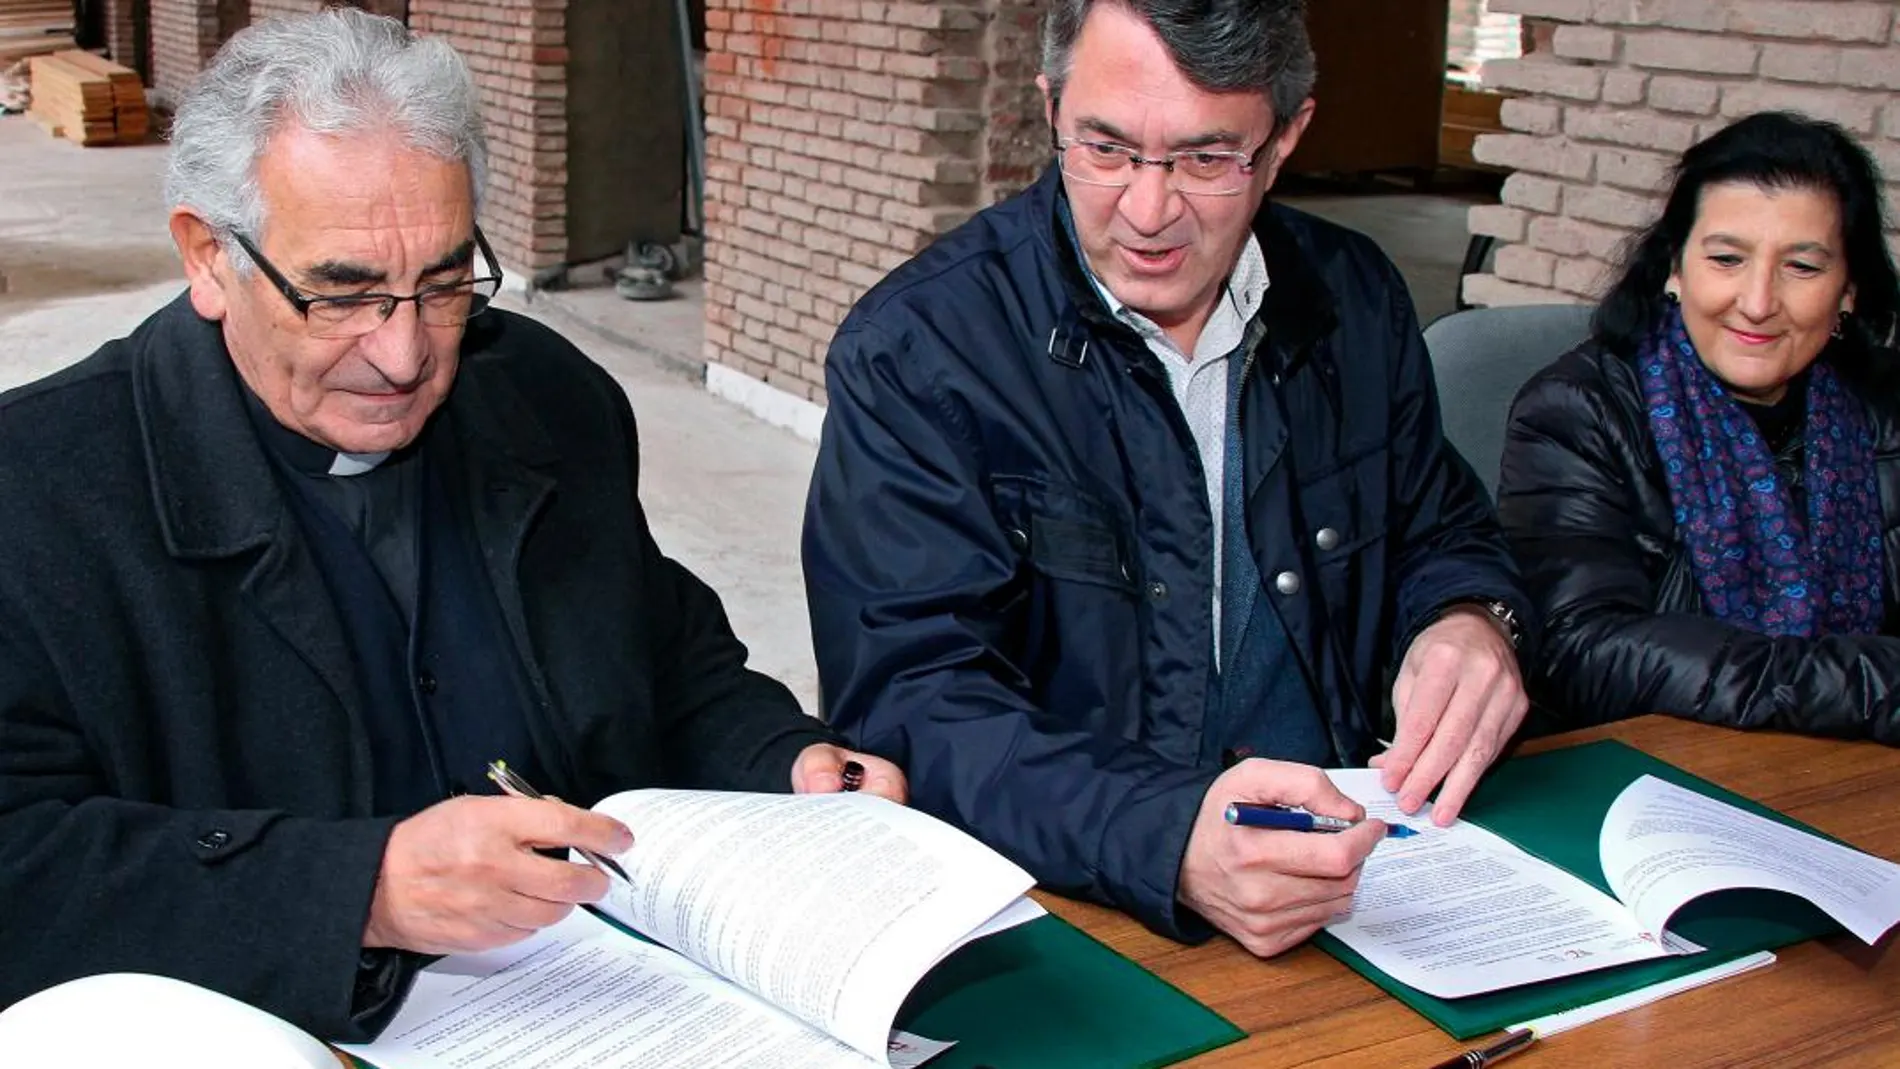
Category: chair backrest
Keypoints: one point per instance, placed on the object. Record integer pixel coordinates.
(1482, 357)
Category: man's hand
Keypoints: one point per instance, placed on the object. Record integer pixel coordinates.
(1270, 890)
(820, 770)
(1459, 699)
(463, 875)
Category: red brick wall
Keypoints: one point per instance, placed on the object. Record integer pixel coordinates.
(518, 51)
(1626, 87)
(184, 36)
(267, 9)
(843, 136)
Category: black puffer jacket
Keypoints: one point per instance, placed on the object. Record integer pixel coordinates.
(1585, 505)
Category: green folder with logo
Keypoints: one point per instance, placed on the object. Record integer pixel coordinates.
(1552, 805)
(1044, 995)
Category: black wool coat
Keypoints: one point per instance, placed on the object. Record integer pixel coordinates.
(184, 771)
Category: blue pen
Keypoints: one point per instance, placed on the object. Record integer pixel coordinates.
(1251, 815)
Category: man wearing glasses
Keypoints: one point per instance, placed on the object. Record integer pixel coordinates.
(1133, 502)
(284, 570)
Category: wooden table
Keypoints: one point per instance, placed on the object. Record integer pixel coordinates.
(1836, 1001)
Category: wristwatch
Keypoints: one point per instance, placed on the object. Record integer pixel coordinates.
(1503, 614)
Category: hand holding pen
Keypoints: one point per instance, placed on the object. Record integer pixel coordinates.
(511, 783)
(1270, 892)
(467, 874)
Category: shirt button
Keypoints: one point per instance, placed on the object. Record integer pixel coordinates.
(426, 683)
(1158, 590)
(1326, 538)
(1287, 583)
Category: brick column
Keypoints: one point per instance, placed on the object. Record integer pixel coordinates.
(1017, 144)
(122, 36)
(270, 9)
(1624, 88)
(843, 136)
(518, 51)
(184, 37)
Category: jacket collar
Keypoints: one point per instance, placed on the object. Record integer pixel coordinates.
(212, 485)
(1299, 308)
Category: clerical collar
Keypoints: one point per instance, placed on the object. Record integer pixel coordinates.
(303, 455)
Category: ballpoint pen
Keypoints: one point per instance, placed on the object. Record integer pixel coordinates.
(511, 783)
(1251, 815)
(1480, 1057)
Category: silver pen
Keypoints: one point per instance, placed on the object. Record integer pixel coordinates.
(511, 783)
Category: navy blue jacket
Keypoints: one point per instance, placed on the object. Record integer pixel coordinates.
(1008, 543)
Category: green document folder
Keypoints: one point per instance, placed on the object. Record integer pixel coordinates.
(1552, 805)
(1043, 995)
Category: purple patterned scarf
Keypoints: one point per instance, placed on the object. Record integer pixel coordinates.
(1758, 563)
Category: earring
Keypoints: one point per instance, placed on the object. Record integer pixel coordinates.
(1672, 294)
(1840, 324)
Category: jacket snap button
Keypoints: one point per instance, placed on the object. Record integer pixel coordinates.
(1019, 540)
(426, 683)
(1158, 590)
(1287, 583)
(1128, 574)
(214, 840)
(1327, 538)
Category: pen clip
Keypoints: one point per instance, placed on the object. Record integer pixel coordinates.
(510, 783)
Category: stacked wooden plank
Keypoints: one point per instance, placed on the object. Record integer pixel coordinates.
(71, 101)
(89, 100)
(131, 120)
(34, 28)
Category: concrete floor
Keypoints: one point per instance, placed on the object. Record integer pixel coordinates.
(85, 255)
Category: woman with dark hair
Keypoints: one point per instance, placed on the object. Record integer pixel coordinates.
(1705, 496)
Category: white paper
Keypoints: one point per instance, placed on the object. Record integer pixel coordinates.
(1459, 911)
(772, 892)
(150, 1022)
(906, 1051)
(1663, 845)
(1021, 911)
(580, 995)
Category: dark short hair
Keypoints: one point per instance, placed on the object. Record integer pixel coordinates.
(1222, 46)
(1773, 150)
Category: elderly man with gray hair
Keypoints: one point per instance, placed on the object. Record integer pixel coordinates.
(283, 570)
(1133, 502)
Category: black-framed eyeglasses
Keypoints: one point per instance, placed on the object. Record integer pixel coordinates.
(446, 304)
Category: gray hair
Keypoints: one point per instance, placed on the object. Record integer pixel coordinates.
(1222, 46)
(336, 71)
